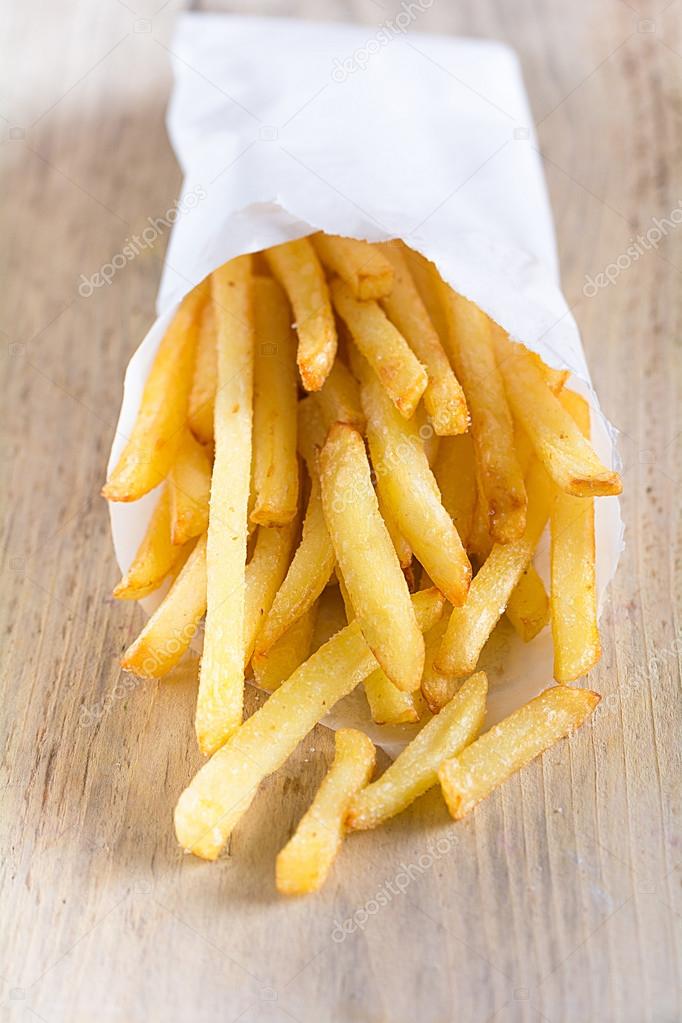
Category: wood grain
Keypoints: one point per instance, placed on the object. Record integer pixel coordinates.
(559, 900)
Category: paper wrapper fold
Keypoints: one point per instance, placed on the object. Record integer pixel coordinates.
(285, 127)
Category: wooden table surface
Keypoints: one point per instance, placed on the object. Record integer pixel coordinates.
(559, 900)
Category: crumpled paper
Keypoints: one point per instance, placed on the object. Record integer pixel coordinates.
(283, 127)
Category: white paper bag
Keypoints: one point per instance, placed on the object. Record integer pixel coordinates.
(284, 127)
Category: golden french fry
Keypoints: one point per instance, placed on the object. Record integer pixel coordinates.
(305, 861)
(455, 472)
(330, 617)
(202, 395)
(223, 789)
(275, 399)
(471, 624)
(367, 558)
(312, 432)
(297, 268)
(169, 631)
(472, 775)
(554, 378)
(471, 349)
(306, 577)
(568, 456)
(437, 688)
(158, 427)
(388, 705)
(339, 398)
(221, 676)
(285, 656)
(410, 492)
(524, 448)
(154, 558)
(416, 769)
(528, 606)
(383, 346)
(575, 632)
(189, 486)
(263, 577)
(443, 398)
(402, 547)
(428, 281)
(361, 265)
(480, 541)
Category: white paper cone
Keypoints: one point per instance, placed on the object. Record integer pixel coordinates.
(285, 127)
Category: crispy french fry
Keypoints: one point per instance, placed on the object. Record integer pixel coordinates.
(330, 617)
(339, 398)
(437, 688)
(362, 266)
(307, 576)
(472, 775)
(189, 486)
(443, 398)
(524, 448)
(305, 861)
(155, 556)
(202, 395)
(221, 675)
(416, 769)
(480, 541)
(285, 656)
(169, 631)
(388, 705)
(471, 625)
(471, 350)
(568, 456)
(402, 547)
(410, 492)
(554, 378)
(263, 577)
(528, 606)
(297, 268)
(455, 472)
(428, 281)
(275, 399)
(367, 558)
(312, 432)
(223, 789)
(158, 427)
(383, 346)
(575, 632)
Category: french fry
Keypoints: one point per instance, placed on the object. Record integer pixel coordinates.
(202, 395)
(297, 268)
(402, 547)
(472, 775)
(428, 281)
(568, 456)
(410, 492)
(362, 266)
(575, 632)
(415, 770)
(455, 472)
(221, 675)
(471, 624)
(224, 788)
(437, 688)
(339, 398)
(471, 350)
(524, 448)
(157, 431)
(169, 631)
(367, 558)
(443, 398)
(528, 605)
(263, 577)
(312, 432)
(284, 656)
(189, 486)
(388, 705)
(554, 378)
(275, 398)
(307, 576)
(330, 617)
(154, 558)
(305, 861)
(383, 346)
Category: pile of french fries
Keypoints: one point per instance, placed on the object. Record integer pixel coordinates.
(355, 467)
